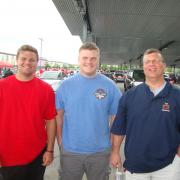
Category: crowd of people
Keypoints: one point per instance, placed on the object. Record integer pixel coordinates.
(90, 118)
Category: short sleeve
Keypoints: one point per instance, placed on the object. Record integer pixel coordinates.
(119, 124)
(59, 97)
(51, 108)
(116, 95)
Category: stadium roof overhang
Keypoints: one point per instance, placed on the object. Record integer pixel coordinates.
(124, 29)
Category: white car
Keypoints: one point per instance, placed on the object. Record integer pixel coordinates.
(53, 78)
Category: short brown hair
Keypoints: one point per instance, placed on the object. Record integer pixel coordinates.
(27, 48)
(90, 46)
(153, 50)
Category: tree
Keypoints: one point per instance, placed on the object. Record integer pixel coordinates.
(47, 66)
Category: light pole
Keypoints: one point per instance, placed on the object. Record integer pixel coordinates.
(41, 43)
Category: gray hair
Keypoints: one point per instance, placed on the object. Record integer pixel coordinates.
(152, 50)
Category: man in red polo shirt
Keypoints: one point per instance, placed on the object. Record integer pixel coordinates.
(27, 121)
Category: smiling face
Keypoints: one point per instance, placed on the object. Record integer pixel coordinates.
(27, 63)
(154, 66)
(88, 62)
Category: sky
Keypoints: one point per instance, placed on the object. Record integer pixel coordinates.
(26, 22)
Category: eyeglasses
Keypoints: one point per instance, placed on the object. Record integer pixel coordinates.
(154, 61)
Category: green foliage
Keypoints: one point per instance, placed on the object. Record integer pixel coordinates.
(47, 65)
(114, 67)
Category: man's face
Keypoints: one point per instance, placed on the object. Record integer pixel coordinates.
(27, 63)
(154, 67)
(88, 62)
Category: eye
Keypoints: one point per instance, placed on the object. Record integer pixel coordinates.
(93, 59)
(22, 59)
(84, 58)
(32, 60)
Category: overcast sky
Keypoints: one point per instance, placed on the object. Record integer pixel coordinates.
(24, 22)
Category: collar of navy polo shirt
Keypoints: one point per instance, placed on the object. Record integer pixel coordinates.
(163, 93)
(158, 90)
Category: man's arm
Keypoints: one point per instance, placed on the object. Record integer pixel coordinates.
(51, 133)
(59, 120)
(115, 154)
(110, 125)
(178, 151)
(112, 120)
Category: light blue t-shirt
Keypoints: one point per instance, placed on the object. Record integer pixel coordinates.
(87, 103)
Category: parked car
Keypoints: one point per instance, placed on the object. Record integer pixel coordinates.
(119, 77)
(172, 78)
(109, 75)
(133, 78)
(167, 77)
(53, 78)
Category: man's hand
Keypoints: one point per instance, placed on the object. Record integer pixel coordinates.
(47, 158)
(115, 160)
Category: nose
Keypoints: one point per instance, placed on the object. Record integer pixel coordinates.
(89, 60)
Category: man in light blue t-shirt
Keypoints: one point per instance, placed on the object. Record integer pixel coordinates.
(86, 104)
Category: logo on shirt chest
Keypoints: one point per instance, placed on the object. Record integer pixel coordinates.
(166, 107)
(100, 94)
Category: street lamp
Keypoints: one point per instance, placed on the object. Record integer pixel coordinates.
(41, 42)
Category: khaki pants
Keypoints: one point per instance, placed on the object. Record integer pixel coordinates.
(170, 172)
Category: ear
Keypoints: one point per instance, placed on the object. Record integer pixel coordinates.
(164, 65)
(78, 61)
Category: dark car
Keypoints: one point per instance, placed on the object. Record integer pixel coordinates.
(134, 78)
(172, 78)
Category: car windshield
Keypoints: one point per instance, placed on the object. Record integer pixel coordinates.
(119, 74)
(51, 75)
(138, 75)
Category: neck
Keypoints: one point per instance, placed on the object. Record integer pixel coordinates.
(88, 76)
(155, 83)
(24, 78)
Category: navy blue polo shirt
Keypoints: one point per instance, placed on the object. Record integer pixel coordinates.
(151, 125)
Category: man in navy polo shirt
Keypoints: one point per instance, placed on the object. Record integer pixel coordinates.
(149, 117)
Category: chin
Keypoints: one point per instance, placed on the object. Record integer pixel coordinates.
(28, 73)
(90, 73)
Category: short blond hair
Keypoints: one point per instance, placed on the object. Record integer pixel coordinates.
(90, 46)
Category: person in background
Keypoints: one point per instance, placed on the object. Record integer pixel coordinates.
(149, 116)
(27, 121)
(86, 103)
(8, 73)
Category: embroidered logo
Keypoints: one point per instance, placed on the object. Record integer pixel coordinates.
(166, 107)
(100, 94)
